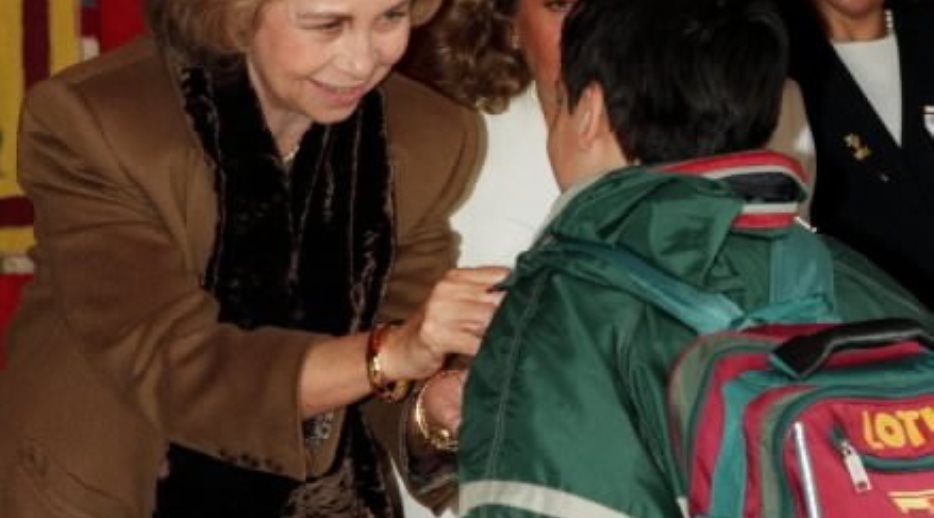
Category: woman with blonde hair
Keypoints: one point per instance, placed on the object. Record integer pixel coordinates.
(242, 239)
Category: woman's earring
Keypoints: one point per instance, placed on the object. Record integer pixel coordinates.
(514, 43)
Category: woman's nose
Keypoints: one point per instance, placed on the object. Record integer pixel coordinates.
(359, 56)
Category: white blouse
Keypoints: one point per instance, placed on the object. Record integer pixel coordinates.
(513, 191)
(875, 68)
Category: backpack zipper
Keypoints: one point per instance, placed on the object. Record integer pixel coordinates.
(808, 485)
(854, 466)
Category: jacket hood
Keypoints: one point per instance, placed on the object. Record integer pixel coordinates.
(677, 216)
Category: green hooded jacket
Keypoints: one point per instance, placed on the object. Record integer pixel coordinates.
(560, 411)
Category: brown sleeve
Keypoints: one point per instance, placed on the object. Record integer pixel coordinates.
(425, 253)
(136, 309)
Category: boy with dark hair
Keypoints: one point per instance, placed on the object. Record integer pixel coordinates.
(656, 146)
(713, 86)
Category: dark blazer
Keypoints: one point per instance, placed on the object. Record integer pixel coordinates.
(116, 348)
(882, 203)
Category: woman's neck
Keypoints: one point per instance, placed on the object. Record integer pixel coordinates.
(287, 126)
(845, 27)
(287, 130)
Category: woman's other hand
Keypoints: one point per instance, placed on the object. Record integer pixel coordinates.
(436, 415)
(442, 399)
(452, 321)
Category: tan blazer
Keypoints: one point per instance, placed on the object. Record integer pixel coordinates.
(116, 349)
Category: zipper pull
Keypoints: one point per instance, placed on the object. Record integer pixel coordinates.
(855, 467)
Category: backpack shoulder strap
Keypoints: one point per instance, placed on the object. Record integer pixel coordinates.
(801, 286)
(801, 282)
(702, 311)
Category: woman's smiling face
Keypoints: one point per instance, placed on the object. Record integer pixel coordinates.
(318, 58)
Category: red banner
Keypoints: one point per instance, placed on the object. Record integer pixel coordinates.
(120, 22)
(10, 288)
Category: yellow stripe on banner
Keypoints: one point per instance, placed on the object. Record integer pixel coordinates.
(15, 240)
(65, 33)
(11, 90)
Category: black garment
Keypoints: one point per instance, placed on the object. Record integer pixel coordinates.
(303, 247)
(881, 204)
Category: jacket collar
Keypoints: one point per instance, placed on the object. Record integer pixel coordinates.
(763, 207)
(678, 215)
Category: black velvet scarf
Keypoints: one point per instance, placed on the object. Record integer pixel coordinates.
(306, 247)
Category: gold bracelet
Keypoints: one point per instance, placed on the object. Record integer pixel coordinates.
(439, 438)
(383, 388)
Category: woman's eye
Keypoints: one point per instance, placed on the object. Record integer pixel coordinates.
(559, 6)
(327, 27)
(330, 27)
(391, 19)
(396, 16)
(318, 24)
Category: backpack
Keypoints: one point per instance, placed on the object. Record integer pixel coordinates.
(779, 421)
(785, 411)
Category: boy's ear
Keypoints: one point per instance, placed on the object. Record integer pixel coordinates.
(590, 115)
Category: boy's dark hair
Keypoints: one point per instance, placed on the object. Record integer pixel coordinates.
(681, 78)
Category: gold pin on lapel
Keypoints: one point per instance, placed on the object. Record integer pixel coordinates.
(855, 143)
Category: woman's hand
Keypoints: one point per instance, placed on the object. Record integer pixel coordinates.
(442, 400)
(452, 321)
